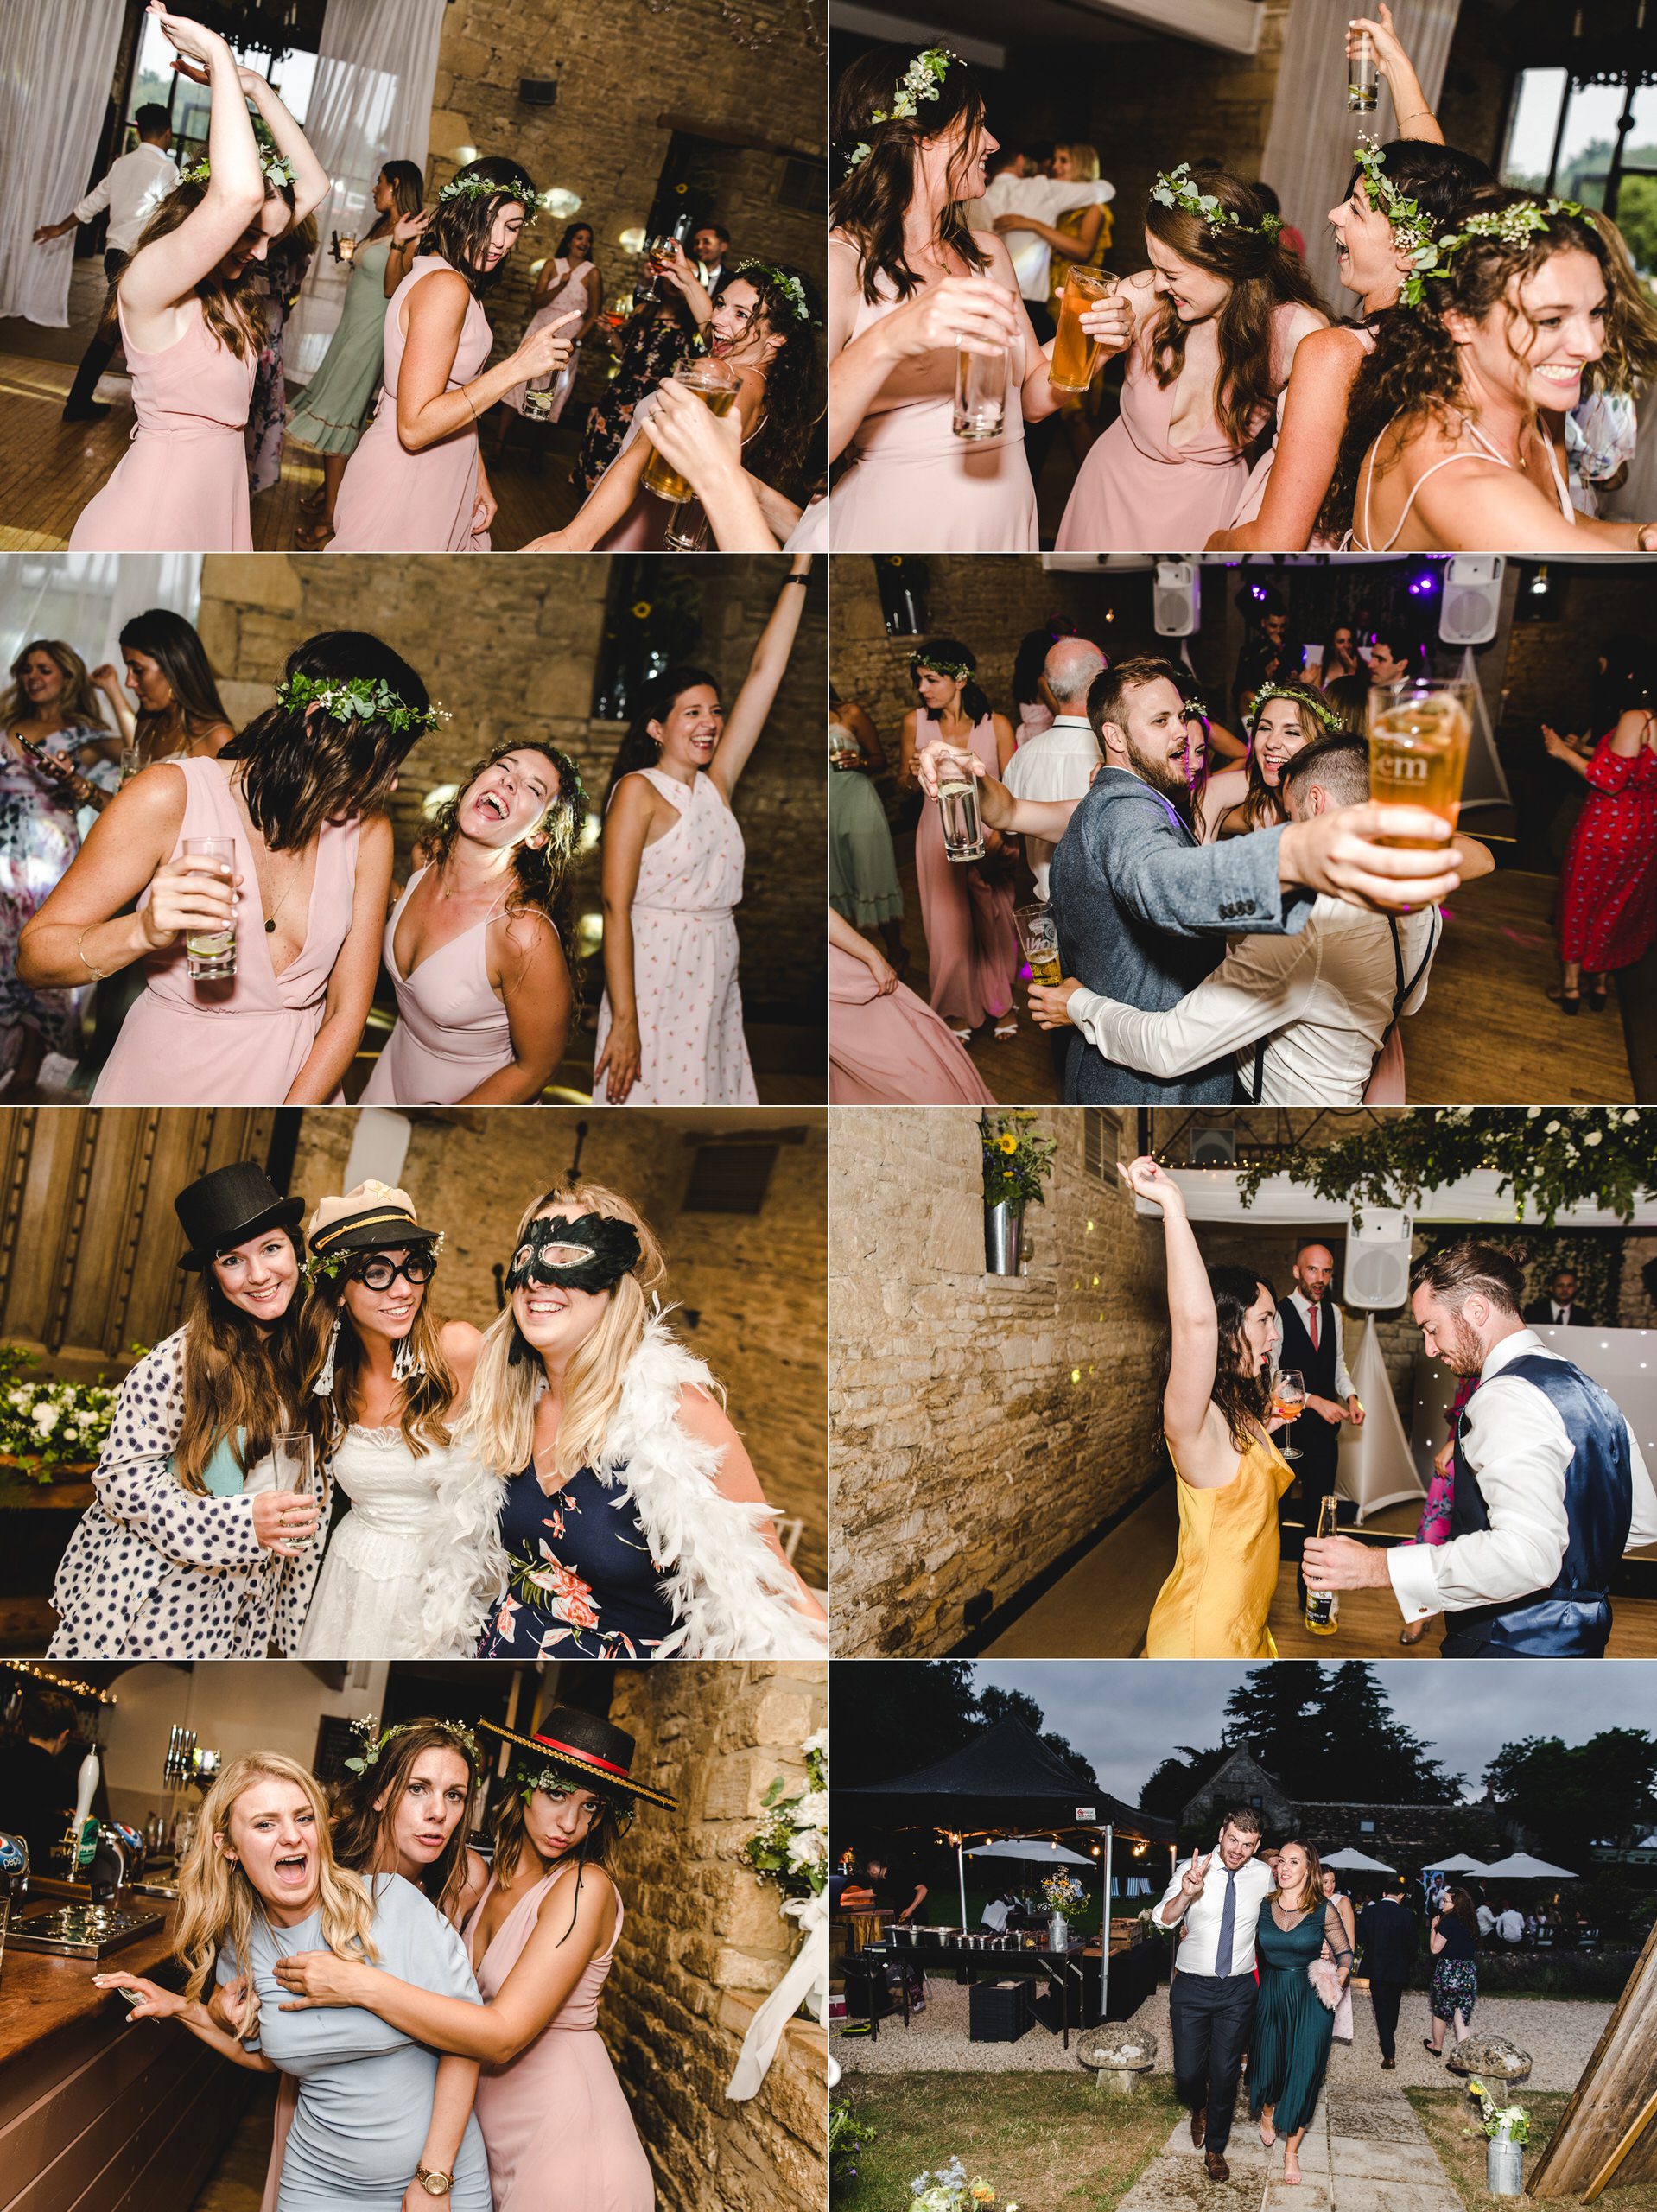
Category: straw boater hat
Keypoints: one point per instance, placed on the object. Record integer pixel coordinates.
(371, 1218)
(228, 1207)
(588, 1749)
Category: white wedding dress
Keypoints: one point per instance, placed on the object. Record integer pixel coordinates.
(375, 1588)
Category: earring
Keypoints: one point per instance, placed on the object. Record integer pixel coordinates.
(405, 1361)
(323, 1385)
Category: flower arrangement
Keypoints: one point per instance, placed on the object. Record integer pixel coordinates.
(1063, 1893)
(1511, 2122)
(357, 701)
(951, 2190)
(1014, 1161)
(847, 2136)
(790, 1845)
(49, 1425)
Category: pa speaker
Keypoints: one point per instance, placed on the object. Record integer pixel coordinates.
(1174, 599)
(1214, 1148)
(1472, 599)
(1378, 1260)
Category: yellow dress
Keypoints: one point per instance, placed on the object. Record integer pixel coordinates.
(1214, 1604)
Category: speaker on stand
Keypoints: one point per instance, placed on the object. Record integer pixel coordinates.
(1377, 1467)
(1176, 599)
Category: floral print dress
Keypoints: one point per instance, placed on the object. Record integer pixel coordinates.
(581, 1584)
(38, 839)
(654, 346)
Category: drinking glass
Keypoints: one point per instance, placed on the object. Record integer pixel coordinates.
(1038, 928)
(211, 953)
(981, 393)
(963, 833)
(131, 760)
(5, 1916)
(1361, 75)
(686, 529)
(347, 251)
(1075, 356)
(1419, 731)
(292, 1461)
(1288, 1402)
(716, 387)
(538, 396)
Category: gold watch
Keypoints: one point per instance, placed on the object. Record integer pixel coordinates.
(433, 2184)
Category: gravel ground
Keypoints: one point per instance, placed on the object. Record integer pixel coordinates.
(1559, 2033)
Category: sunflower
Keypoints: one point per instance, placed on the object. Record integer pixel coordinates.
(1008, 1144)
(641, 610)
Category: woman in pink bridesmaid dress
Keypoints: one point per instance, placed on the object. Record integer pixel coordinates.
(1210, 330)
(671, 1021)
(555, 2123)
(417, 482)
(192, 334)
(300, 792)
(886, 1047)
(971, 946)
(478, 946)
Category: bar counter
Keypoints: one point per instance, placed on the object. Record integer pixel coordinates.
(99, 2112)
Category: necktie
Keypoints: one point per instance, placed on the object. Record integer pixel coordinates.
(1314, 1328)
(1222, 1948)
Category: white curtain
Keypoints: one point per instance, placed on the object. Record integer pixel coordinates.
(86, 598)
(57, 63)
(371, 104)
(1308, 156)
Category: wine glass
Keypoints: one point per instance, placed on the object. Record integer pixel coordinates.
(1288, 1402)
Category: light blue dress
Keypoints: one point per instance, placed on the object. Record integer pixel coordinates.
(365, 2087)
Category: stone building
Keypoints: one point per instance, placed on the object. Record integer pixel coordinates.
(1239, 1779)
(1403, 1836)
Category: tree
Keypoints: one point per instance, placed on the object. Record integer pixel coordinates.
(891, 1716)
(1572, 1795)
(1362, 1752)
(1178, 1780)
(998, 1704)
(1273, 1713)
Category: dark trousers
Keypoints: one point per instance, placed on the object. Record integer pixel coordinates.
(1211, 2022)
(1387, 1997)
(1318, 1442)
(105, 341)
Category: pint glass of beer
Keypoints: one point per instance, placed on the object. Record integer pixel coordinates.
(716, 387)
(1075, 356)
(963, 833)
(1419, 735)
(1038, 936)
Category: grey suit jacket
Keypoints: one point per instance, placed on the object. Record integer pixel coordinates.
(1144, 912)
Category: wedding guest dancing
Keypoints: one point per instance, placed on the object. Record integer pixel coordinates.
(1216, 1421)
(886, 1047)
(556, 2126)
(176, 712)
(1215, 1901)
(1608, 886)
(192, 334)
(416, 481)
(298, 793)
(669, 1029)
(618, 1514)
(1551, 1486)
(480, 946)
(569, 278)
(1294, 2015)
(381, 2120)
(189, 1551)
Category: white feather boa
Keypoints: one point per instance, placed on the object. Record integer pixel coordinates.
(732, 1597)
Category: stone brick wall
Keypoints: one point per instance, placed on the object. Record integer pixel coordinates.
(755, 1281)
(981, 1424)
(510, 646)
(704, 1942)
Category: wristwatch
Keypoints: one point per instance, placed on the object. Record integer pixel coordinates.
(433, 2184)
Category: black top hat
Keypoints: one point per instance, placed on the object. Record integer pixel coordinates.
(591, 1750)
(228, 1207)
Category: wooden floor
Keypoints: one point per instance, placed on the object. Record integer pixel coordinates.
(49, 469)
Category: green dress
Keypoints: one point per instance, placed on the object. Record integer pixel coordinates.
(863, 888)
(329, 418)
(1289, 2049)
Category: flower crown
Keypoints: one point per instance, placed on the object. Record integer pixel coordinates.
(1513, 225)
(1300, 695)
(279, 169)
(1179, 188)
(373, 1744)
(1412, 232)
(961, 669)
(920, 81)
(357, 699)
(559, 1780)
(332, 1265)
(484, 187)
(1196, 709)
(779, 281)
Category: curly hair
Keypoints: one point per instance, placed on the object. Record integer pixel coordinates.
(1240, 1391)
(1415, 371)
(235, 318)
(1263, 273)
(540, 872)
(872, 199)
(778, 452)
(460, 230)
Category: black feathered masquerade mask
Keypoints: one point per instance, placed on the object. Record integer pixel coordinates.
(613, 1247)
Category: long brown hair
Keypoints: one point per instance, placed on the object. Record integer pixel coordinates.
(1312, 1896)
(1462, 1908)
(235, 317)
(362, 1835)
(873, 197)
(598, 1847)
(239, 1382)
(1263, 273)
(422, 1401)
(80, 702)
(540, 875)
(175, 646)
(408, 191)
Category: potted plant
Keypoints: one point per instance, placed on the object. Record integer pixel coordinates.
(1015, 1160)
(1507, 2129)
(1063, 1895)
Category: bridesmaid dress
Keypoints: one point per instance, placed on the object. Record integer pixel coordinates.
(328, 416)
(556, 2124)
(892, 1050)
(692, 1050)
(239, 1042)
(972, 944)
(570, 298)
(394, 501)
(1214, 1604)
(182, 486)
(452, 1033)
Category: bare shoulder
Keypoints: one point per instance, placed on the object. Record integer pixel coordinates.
(994, 247)
(704, 1416)
(153, 801)
(376, 838)
(440, 292)
(461, 1344)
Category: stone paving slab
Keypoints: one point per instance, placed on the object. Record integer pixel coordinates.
(1369, 2161)
(1377, 2197)
(1171, 2184)
(1384, 2118)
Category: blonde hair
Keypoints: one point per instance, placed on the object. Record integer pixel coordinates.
(218, 1905)
(499, 1418)
(1084, 162)
(80, 702)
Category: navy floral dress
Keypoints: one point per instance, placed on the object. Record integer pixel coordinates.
(581, 1583)
(652, 349)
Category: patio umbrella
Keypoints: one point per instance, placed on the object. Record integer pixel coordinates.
(1461, 1864)
(1037, 1849)
(1522, 1867)
(1357, 1862)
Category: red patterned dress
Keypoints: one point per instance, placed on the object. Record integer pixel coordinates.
(1608, 887)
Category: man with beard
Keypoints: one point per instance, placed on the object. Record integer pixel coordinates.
(1552, 1487)
(1144, 910)
(1215, 1900)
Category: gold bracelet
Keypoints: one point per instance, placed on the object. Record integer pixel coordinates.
(465, 394)
(81, 957)
(1427, 111)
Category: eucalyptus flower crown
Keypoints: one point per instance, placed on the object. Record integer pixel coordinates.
(920, 81)
(1179, 188)
(364, 1728)
(485, 187)
(779, 279)
(1300, 695)
(960, 670)
(279, 169)
(332, 1265)
(357, 699)
(1513, 225)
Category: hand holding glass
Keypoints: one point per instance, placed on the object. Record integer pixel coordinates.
(1288, 1402)
(211, 953)
(1075, 355)
(1038, 928)
(1419, 732)
(715, 385)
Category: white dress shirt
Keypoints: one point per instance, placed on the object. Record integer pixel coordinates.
(1199, 1931)
(1045, 198)
(132, 188)
(1056, 763)
(1486, 1920)
(995, 1914)
(1321, 1002)
(1510, 1927)
(1329, 1316)
(1516, 1445)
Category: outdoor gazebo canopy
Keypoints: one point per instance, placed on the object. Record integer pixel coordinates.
(1005, 1782)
